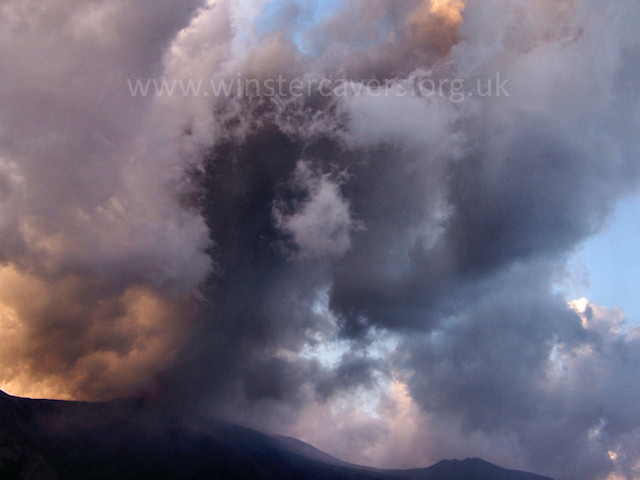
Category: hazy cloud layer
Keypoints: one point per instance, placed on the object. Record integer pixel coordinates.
(383, 262)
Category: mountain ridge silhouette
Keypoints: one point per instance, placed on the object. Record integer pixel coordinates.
(62, 440)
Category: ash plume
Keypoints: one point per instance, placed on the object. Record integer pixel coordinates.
(371, 265)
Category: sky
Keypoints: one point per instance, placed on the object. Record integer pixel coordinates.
(405, 232)
(611, 261)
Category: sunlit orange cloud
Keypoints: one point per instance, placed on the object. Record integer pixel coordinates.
(435, 23)
(64, 339)
(449, 9)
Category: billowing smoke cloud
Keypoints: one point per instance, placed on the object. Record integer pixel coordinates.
(384, 250)
(99, 264)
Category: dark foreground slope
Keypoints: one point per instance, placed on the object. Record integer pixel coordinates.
(43, 439)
